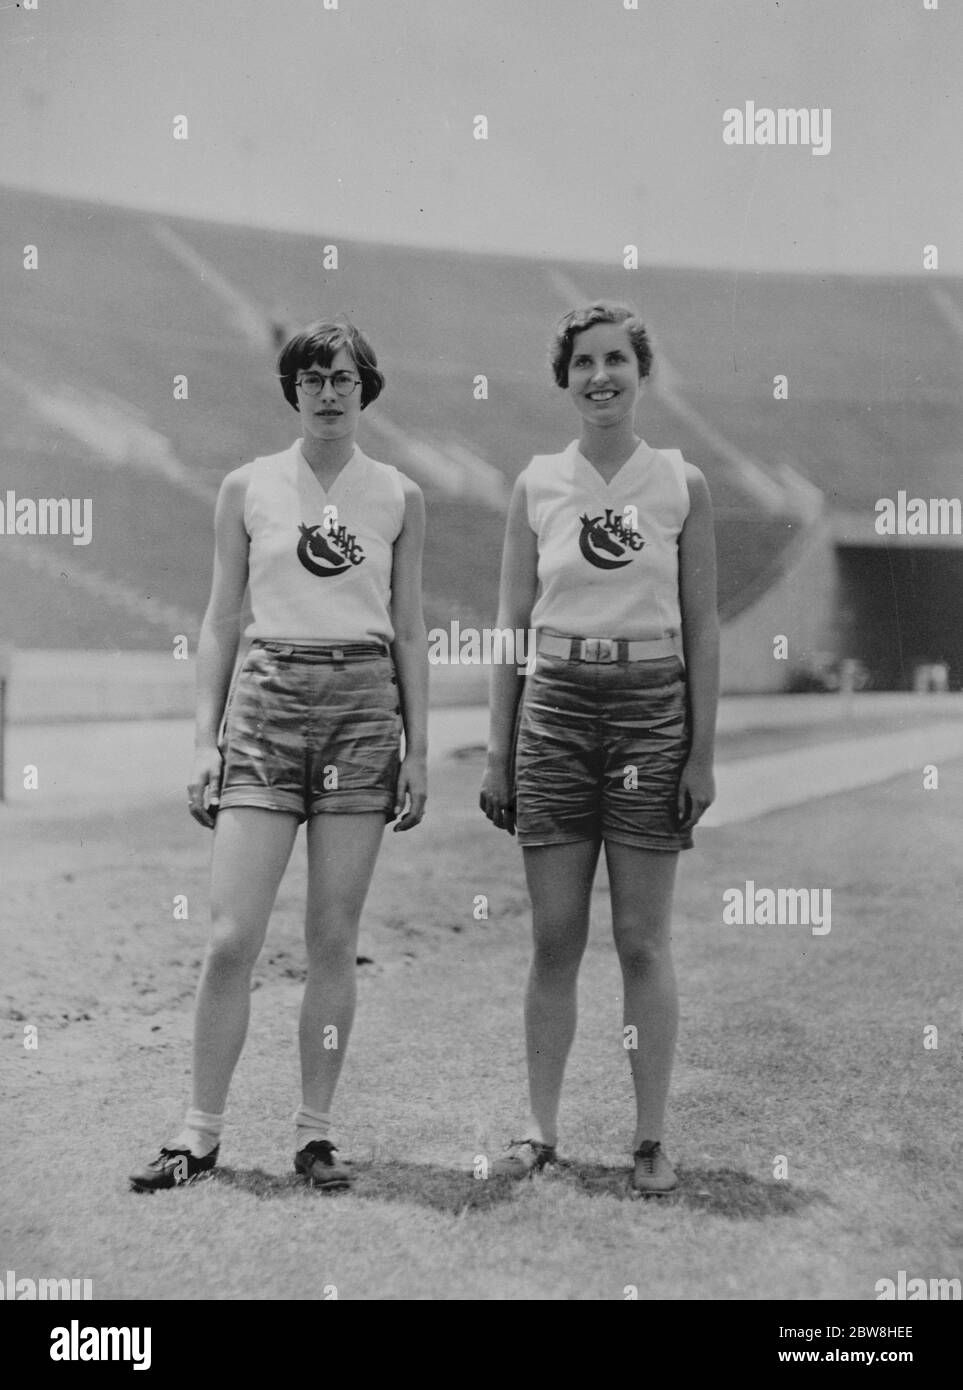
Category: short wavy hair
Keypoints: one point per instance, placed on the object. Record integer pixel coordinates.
(319, 343)
(577, 320)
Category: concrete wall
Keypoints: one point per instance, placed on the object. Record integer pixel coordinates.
(46, 686)
(801, 604)
(49, 687)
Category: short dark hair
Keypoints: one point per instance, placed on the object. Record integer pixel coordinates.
(577, 320)
(319, 343)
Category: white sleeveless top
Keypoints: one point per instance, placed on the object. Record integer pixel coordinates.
(319, 564)
(608, 557)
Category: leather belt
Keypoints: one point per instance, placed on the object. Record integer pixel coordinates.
(321, 651)
(607, 649)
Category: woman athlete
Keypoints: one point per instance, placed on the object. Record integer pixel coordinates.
(330, 543)
(610, 557)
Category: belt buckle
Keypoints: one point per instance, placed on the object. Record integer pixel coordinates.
(600, 649)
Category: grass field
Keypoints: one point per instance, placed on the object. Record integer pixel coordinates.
(810, 1047)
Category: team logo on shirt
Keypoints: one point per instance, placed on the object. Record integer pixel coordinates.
(604, 540)
(327, 550)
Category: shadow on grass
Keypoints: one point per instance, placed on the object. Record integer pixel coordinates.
(717, 1191)
(444, 1189)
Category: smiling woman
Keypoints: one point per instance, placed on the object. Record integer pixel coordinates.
(609, 556)
(329, 542)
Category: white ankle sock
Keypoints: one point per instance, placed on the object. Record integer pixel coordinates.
(310, 1124)
(201, 1133)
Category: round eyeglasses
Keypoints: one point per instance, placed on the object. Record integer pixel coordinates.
(312, 383)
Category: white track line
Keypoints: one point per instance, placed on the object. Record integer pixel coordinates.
(750, 787)
(126, 762)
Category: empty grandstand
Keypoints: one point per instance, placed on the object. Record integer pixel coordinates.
(123, 303)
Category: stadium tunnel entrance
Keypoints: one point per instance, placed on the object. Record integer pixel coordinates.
(901, 610)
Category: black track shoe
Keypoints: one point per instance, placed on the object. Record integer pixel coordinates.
(172, 1168)
(317, 1163)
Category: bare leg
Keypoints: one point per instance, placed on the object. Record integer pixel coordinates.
(560, 886)
(250, 853)
(642, 883)
(342, 850)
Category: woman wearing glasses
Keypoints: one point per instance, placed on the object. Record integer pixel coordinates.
(329, 543)
(609, 555)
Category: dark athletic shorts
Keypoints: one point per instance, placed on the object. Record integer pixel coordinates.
(601, 747)
(313, 729)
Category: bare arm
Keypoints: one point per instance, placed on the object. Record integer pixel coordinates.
(410, 652)
(219, 637)
(700, 638)
(518, 587)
